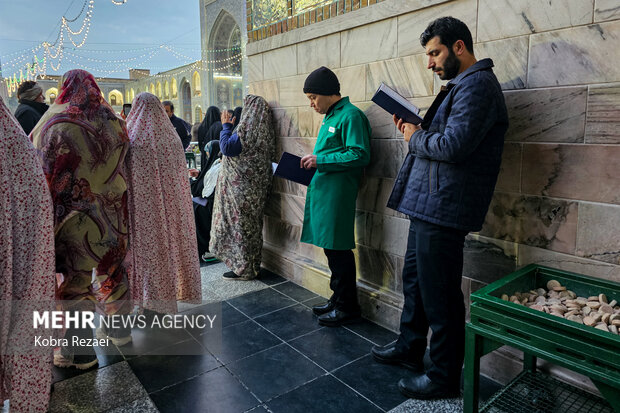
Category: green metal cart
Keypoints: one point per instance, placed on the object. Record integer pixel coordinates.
(586, 350)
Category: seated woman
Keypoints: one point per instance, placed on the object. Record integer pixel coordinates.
(26, 268)
(161, 229)
(242, 188)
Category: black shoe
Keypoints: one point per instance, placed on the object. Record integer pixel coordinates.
(389, 354)
(421, 387)
(230, 275)
(336, 318)
(323, 308)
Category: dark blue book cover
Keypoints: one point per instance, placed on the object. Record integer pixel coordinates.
(288, 168)
(396, 104)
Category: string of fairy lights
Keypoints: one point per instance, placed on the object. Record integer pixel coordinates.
(33, 63)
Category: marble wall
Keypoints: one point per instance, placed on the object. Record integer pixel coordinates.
(557, 200)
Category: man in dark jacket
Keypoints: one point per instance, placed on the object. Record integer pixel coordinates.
(445, 186)
(31, 105)
(183, 128)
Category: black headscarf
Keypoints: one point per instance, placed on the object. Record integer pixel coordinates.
(212, 151)
(212, 116)
(237, 115)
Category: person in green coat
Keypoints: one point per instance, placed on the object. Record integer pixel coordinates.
(341, 152)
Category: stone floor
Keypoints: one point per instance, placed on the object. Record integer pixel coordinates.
(274, 357)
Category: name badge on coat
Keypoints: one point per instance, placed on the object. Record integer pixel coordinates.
(332, 129)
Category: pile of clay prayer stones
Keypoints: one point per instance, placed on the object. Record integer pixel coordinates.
(594, 311)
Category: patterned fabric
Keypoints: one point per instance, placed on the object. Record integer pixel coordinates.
(241, 192)
(82, 147)
(26, 266)
(161, 220)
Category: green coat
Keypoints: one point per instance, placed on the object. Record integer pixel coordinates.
(342, 151)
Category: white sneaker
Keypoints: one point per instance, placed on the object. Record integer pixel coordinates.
(207, 257)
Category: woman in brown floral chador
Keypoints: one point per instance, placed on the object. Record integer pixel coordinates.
(242, 189)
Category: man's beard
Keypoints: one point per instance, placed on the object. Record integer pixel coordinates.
(451, 67)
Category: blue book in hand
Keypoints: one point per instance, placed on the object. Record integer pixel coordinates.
(288, 168)
(393, 103)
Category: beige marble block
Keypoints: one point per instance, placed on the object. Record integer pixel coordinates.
(510, 60)
(268, 89)
(306, 121)
(292, 208)
(499, 19)
(313, 253)
(286, 122)
(581, 172)
(374, 194)
(537, 221)
(324, 51)
(298, 146)
(281, 234)
(288, 187)
(407, 75)
(532, 255)
(381, 122)
(273, 206)
(411, 25)
(606, 10)
(597, 232)
(487, 259)
(547, 115)
(603, 117)
(351, 82)
(379, 268)
(509, 179)
(280, 62)
(386, 157)
(587, 54)
(369, 43)
(292, 91)
(382, 232)
(255, 68)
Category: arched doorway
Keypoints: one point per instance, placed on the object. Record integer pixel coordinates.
(186, 100)
(226, 84)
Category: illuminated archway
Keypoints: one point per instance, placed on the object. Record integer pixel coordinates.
(132, 94)
(196, 83)
(186, 101)
(51, 94)
(198, 113)
(158, 89)
(166, 90)
(173, 88)
(115, 98)
(152, 89)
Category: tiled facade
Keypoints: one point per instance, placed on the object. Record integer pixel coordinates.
(557, 200)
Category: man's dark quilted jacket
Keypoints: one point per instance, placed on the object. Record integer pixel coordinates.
(449, 174)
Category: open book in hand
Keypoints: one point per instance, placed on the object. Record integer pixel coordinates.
(289, 168)
(393, 103)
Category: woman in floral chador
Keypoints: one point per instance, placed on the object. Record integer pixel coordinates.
(82, 145)
(161, 221)
(242, 188)
(26, 269)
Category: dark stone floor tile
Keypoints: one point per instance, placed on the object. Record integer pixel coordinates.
(274, 372)
(318, 300)
(260, 302)
(331, 348)
(258, 409)
(97, 390)
(323, 395)
(290, 322)
(159, 371)
(296, 292)
(215, 391)
(270, 278)
(239, 341)
(377, 382)
(151, 340)
(373, 332)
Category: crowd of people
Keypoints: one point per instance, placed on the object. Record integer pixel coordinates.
(100, 212)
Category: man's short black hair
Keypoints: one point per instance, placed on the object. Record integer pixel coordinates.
(24, 86)
(168, 103)
(449, 31)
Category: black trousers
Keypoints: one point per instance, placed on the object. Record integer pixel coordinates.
(202, 218)
(342, 283)
(433, 298)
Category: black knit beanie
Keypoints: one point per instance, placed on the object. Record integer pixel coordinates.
(322, 82)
